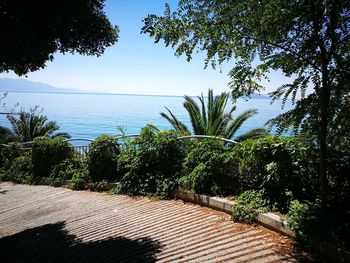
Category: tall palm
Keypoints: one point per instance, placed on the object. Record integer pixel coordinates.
(211, 119)
(28, 125)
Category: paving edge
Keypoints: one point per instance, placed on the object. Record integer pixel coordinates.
(269, 220)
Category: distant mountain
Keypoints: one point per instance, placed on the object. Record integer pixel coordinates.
(256, 96)
(23, 85)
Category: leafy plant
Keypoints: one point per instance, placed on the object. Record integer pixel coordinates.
(64, 171)
(210, 168)
(248, 205)
(48, 152)
(21, 170)
(80, 180)
(284, 168)
(102, 159)
(151, 163)
(29, 125)
(9, 152)
(99, 186)
(212, 119)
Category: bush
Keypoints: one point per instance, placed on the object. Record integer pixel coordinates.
(102, 159)
(20, 171)
(248, 205)
(64, 171)
(209, 168)
(311, 222)
(151, 163)
(299, 219)
(48, 152)
(284, 168)
(80, 179)
(99, 186)
(9, 153)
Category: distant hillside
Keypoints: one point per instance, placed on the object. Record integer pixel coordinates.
(23, 85)
(256, 96)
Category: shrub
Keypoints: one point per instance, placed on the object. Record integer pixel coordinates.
(209, 168)
(99, 186)
(282, 167)
(102, 159)
(80, 179)
(48, 152)
(151, 163)
(9, 153)
(21, 170)
(299, 219)
(248, 205)
(64, 171)
(311, 222)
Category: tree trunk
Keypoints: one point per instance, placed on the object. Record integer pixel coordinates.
(324, 101)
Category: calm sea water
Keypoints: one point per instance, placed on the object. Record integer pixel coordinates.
(89, 115)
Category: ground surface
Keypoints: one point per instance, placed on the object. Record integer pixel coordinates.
(45, 224)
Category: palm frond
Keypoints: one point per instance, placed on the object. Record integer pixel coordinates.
(178, 125)
(195, 116)
(253, 134)
(238, 122)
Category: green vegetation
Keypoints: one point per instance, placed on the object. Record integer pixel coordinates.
(26, 126)
(211, 119)
(248, 205)
(20, 171)
(102, 159)
(284, 167)
(209, 168)
(305, 177)
(305, 40)
(151, 164)
(48, 152)
(78, 26)
(266, 174)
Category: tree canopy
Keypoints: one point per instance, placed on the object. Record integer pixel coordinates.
(308, 41)
(33, 31)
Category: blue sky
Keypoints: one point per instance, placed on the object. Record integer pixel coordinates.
(135, 65)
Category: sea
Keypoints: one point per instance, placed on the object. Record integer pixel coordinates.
(87, 115)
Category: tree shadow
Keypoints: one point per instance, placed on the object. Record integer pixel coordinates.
(53, 243)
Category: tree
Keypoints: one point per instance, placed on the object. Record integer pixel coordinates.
(32, 31)
(307, 40)
(212, 119)
(29, 125)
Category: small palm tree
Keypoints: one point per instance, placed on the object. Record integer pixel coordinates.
(211, 119)
(28, 125)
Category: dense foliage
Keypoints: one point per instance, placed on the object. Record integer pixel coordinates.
(33, 31)
(48, 152)
(307, 41)
(102, 159)
(8, 153)
(211, 119)
(152, 164)
(20, 171)
(209, 168)
(283, 167)
(248, 205)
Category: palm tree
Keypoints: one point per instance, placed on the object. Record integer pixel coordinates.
(28, 125)
(212, 119)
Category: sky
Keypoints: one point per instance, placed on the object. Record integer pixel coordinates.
(135, 64)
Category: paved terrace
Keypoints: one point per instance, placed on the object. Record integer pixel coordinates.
(46, 224)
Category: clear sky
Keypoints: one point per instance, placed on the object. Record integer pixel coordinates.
(135, 65)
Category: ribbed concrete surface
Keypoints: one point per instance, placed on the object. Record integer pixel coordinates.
(45, 224)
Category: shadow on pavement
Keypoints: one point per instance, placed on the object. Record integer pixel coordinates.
(52, 243)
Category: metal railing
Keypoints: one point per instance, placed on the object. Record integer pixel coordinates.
(81, 150)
